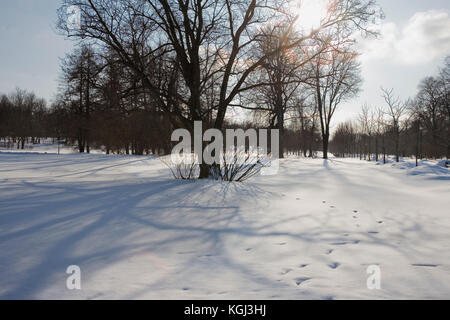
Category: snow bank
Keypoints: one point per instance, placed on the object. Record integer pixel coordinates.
(431, 168)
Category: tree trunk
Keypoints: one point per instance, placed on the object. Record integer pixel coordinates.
(397, 145)
(417, 144)
(376, 148)
(325, 144)
(281, 129)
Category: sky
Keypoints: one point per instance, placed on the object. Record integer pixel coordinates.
(415, 40)
(30, 47)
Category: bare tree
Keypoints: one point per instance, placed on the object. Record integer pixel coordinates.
(445, 99)
(22, 118)
(380, 130)
(337, 78)
(395, 110)
(276, 82)
(305, 113)
(367, 124)
(345, 140)
(80, 73)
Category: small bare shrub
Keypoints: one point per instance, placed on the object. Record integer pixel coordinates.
(183, 167)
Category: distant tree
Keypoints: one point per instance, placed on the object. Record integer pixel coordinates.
(336, 79)
(5, 117)
(380, 131)
(395, 111)
(277, 81)
(344, 141)
(25, 108)
(367, 125)
(80, 73)
(429, 109)
(445, 99)
(305, 114)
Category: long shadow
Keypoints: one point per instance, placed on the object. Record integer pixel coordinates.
(161, 206)
(116, 204)
(58, 256)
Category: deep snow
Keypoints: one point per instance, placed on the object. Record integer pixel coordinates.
(309, 232)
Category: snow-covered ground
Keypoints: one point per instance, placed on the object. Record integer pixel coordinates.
(309, 232)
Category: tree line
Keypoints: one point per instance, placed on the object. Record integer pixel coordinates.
(418, 127)
(142, 69)
(23, 118)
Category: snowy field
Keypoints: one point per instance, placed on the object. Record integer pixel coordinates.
(309, 232)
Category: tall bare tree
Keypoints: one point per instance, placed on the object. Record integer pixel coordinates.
(80, 73)
(367, 125)
(395, 111)
(337, 78)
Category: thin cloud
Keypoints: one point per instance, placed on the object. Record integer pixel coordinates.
(424, 38)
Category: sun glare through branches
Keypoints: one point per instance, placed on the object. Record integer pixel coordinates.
(310, 13)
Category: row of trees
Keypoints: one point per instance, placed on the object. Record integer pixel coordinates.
(417, 127)
(101, 104)
(23, 117)
(145, 68)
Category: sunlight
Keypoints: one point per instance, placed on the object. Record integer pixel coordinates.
(311, 12)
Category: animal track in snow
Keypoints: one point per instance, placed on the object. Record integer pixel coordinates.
(286, 271)
(426, 265)
(330, 251)
(343, 243)
(302, 266)
(186, 252)
(95, 296)
(334, 265)
(299, 281)
(339, 243)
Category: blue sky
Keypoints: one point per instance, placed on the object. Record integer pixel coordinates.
(416, 38)
(30, 51)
